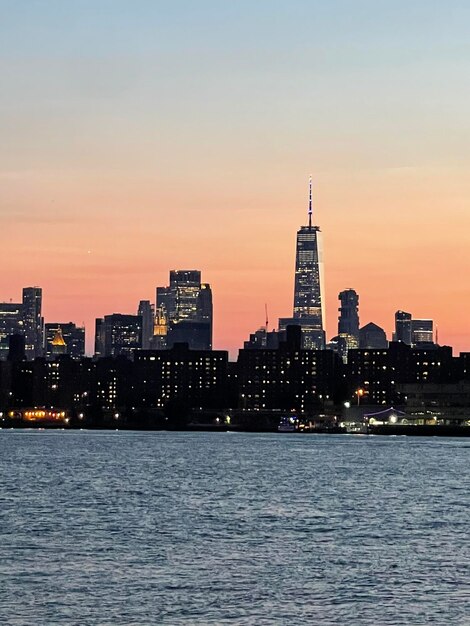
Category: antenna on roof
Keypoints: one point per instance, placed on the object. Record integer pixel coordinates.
(267, 320)
(310, 202)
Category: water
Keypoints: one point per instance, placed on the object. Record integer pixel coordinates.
(129, 529)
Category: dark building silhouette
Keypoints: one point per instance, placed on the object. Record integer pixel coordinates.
(287, 378)
(348, 324)
(193, 378)
(16, 348)
(99, 337)
(403, 327)
(33, 322)
(308, 290)
(64, 338)
(380, 372)
(263, 338)
(348, 321)
(146, 312)
(372, 336)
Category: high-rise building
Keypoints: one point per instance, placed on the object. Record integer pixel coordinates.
(205, 308)
(187, 306)
(73, 337)
(309, 306)
(422, 332)
(118, 335)
(403, 327)
(348, 321)
(348, 324)
(145, 311)
(33, 322)
(99, 337)
(11, 323)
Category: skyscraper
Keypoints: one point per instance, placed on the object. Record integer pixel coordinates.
(146, 312)
(309, 306)
(348, 321)
(11, 323)
(33, 322)
(187, 306)
(118, 335)
(403, 327)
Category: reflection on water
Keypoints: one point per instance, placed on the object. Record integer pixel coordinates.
(221, 528)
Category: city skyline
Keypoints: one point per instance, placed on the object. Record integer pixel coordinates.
(187, 143)
(183, 312)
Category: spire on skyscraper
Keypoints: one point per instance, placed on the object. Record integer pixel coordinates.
(310, 202)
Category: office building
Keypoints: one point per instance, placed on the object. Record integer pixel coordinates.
(72, 336)
(145, 311)
(33, 322)
(403, 327)
(186, 304)
(348, 320)
(422, 332)
(11, 323)
(118, 335)
(309, 304)
(348, 324)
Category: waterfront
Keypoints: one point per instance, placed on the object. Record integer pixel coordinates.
(130, 528)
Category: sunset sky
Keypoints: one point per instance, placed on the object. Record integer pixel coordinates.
(141, 136)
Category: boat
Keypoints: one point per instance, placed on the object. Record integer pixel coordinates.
(288, 424)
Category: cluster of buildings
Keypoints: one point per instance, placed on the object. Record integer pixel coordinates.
(183, 313)
(23, 321)
(163, 354)
(263, 381)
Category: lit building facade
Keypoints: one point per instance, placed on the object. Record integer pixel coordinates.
(197, 378)
(422, 332)
(73, 338)
(309, 306)
(33, 322)
(118, 335)
(288, 378)
(187, 306)
(11, 323)
(25, 319)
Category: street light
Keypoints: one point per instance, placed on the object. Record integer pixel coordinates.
(359, 394)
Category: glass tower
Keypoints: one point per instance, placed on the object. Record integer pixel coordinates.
(187, 306)
(309, 307)
(33, 321)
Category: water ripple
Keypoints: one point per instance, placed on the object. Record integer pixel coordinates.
(203, 529)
